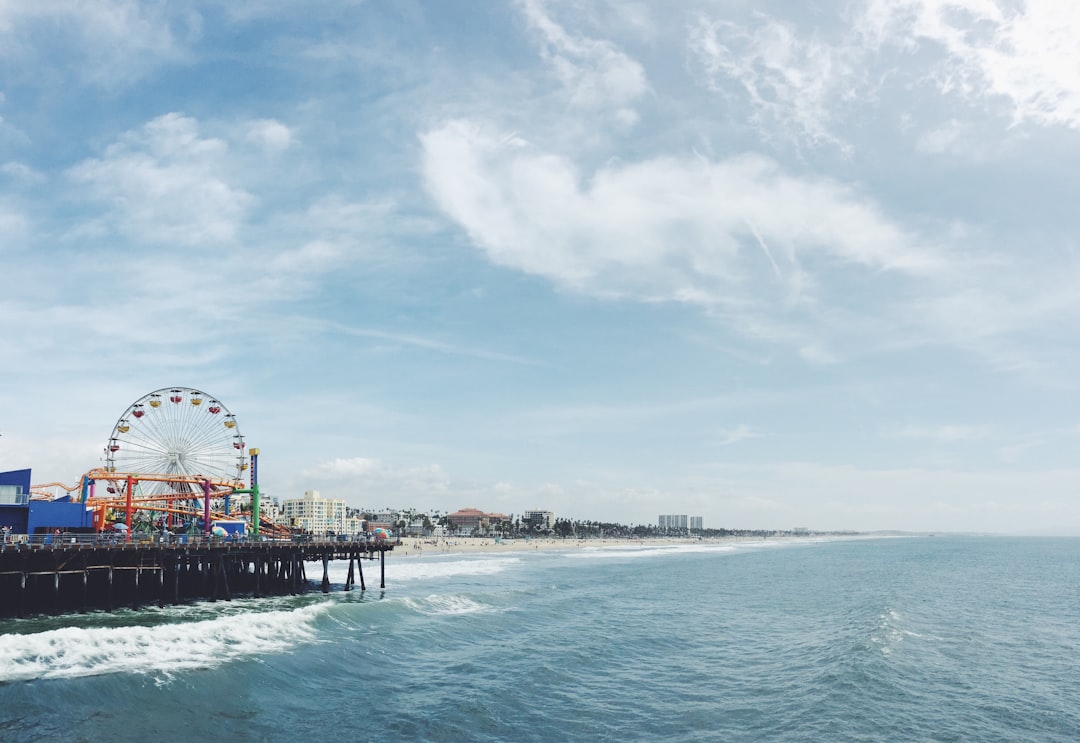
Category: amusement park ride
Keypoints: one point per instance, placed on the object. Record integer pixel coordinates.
(175, 460)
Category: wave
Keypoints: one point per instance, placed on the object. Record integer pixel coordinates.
(410, 569)
(648, 550)
(164, 649)
(890, 632)
(446, 604)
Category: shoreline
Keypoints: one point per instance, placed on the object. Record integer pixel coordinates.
(419, 546)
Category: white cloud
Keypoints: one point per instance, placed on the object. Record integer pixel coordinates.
(21, 172)
(313, 257)
(943, 139)
(1025, 56)
(247, 11)
(782, 258)
(1020, 62)
(595, 73)
(791, 80)
(373, 483)
(270, 134)
(114, 41)
(732, 235)
(347, 468)
(165, 183)
(735, 435)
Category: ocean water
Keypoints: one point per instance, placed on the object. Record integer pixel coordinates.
(905, 639)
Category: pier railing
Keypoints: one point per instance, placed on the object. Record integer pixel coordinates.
(67, 540)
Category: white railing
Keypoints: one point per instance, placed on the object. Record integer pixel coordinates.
(66, 539)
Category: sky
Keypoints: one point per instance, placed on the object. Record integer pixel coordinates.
(775, 264)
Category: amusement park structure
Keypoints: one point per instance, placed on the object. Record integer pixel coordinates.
(175, 461)
(156, 522)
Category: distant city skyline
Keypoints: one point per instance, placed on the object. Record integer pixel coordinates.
(768, 263)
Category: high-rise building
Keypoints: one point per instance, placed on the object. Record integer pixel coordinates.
(316, 514)
(539, 519)
(673, 521)
(680, 521)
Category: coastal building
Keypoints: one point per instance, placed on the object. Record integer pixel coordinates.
(316, 514)
(471, 520)
(673, 521)
(680, 522)
(539, 519)
(468, 519)
(271, 511)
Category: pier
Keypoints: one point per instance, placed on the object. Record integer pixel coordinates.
(80, 574)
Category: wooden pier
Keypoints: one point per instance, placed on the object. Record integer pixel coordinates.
(78, 576)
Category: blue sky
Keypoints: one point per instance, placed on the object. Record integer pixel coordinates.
(774, 264)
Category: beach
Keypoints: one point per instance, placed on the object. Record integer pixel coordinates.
(419, 546)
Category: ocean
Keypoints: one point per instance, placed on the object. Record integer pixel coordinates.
(902, 639)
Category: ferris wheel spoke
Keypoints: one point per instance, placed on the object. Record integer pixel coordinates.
(206, 445)
(178, 432)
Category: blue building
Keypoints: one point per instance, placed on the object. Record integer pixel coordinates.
(24, 516)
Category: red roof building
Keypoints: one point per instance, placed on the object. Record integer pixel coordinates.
(468, 519)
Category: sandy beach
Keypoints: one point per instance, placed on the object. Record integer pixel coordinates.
(415, 546)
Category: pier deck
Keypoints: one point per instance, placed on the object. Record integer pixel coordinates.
(74, 576)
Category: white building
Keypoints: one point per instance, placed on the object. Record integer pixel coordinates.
(539, 519)
(270, 512)
(680, 521)
(355, 525)
(673, 521)
(317, 514)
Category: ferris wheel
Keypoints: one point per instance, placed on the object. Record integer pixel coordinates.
(177, 432)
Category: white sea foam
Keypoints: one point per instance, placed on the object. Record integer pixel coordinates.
(890, 632)
(617, 553)
(401, 571)
(887, 636)
(592, 553)
(69, 652)
(446, 604)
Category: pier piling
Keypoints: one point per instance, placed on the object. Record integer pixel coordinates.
(349, 577)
